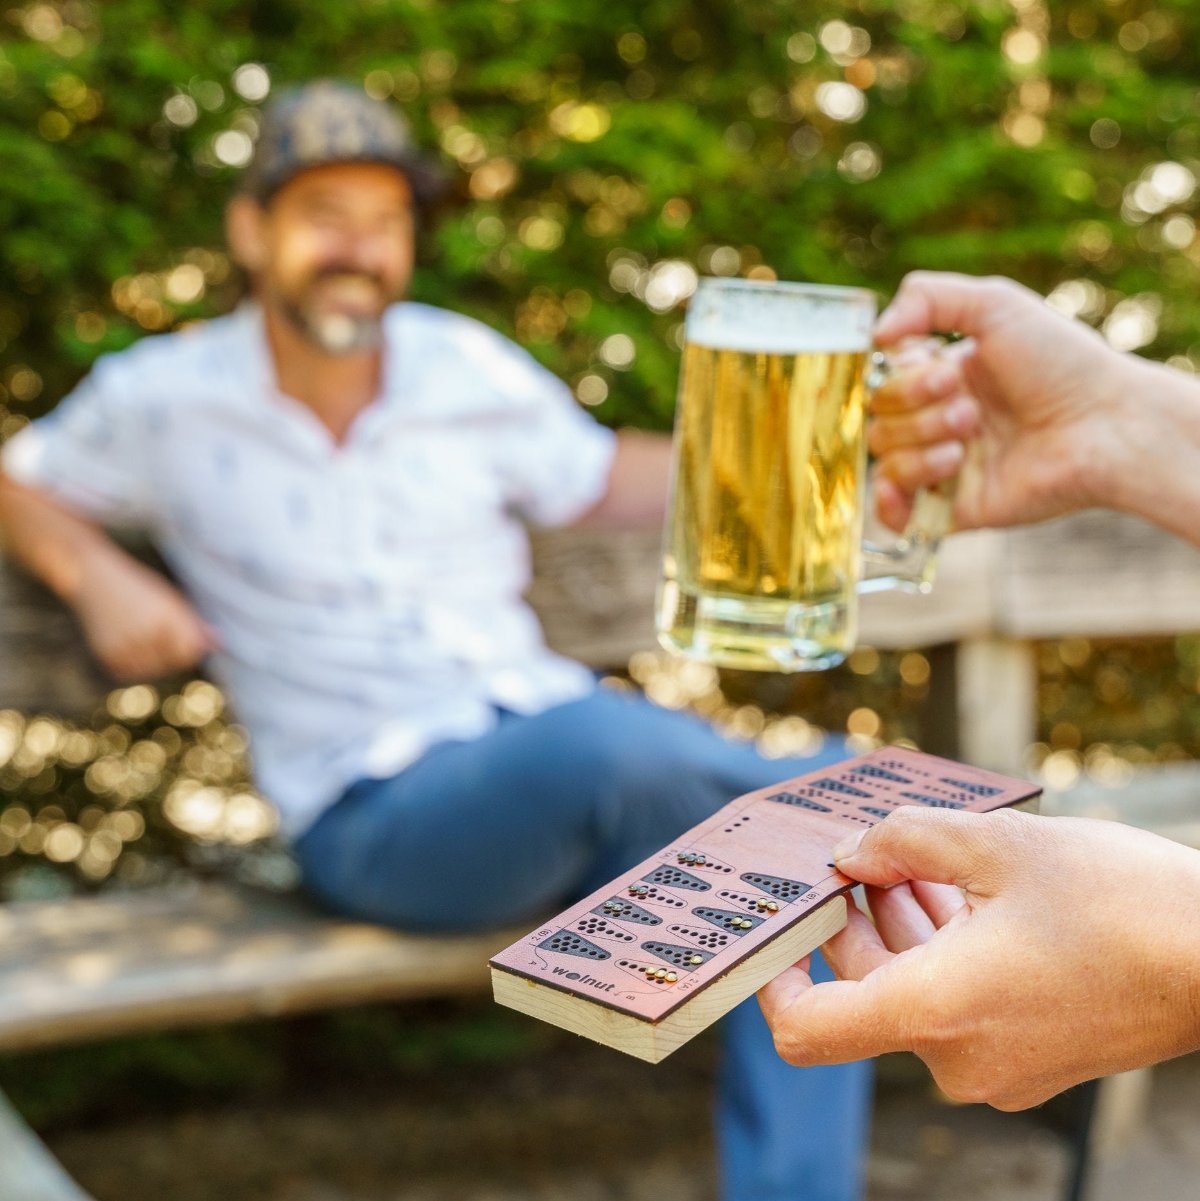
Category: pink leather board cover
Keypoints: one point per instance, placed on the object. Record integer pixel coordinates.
(730, 885)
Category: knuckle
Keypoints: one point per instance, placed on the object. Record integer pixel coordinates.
(907, 819)
(1013, 829)
(1008, 821)
(881, 435)
(906, 466)
(916, 279)
(1015, 843)
(1001, 290)
(930, 423)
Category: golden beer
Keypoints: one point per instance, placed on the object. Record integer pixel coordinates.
(762, 547)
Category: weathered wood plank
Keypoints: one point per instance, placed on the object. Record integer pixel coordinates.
(1092, 574)
(44, 663)
(593, 591)
(92, 967)
(1096, 573)
(28, 1172)
(959, 606)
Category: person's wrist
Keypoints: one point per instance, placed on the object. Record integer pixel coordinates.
(1173, 957)
(1148, 460)
(1112, 450)
(1188, 957)
(94, 564)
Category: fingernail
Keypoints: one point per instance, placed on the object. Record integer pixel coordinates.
(882, 331)
(960, 416)
(946, 457)
(847, 847)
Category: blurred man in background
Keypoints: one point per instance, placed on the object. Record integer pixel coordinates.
(336, 481)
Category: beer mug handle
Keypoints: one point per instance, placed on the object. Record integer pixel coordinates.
(908, 564)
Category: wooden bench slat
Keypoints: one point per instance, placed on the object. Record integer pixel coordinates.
(1098, 574)
(93, 967)
(593, 591)
(1091, 574)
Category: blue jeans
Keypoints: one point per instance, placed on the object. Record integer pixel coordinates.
(545, 809)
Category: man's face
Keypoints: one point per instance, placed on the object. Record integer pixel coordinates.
(336, 247)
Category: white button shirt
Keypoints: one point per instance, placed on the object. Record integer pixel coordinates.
(368, 595)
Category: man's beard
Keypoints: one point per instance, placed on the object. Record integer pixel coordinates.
(333, 332)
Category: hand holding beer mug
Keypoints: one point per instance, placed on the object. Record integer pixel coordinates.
(763, 555)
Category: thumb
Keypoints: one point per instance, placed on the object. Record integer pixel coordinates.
(941, 846)
(945, 302)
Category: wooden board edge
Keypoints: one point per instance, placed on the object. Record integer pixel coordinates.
(654, 1041)
(752, 973)
(595, 1022)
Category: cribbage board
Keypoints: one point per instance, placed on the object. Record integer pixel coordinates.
(653, 958)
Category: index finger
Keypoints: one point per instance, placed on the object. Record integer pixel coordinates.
(978, 852)
(930, 302)
(915, 378)
(913, 387)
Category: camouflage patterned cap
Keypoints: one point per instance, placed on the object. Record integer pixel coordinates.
(329, 121)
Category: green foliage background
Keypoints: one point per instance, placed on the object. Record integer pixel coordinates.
(980, 119)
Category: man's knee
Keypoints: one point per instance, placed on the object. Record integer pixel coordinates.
(600, 734)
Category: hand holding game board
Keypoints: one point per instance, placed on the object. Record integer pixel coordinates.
(659, 954)
(1049, 969)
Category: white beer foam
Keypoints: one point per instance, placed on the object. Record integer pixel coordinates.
(780, 319)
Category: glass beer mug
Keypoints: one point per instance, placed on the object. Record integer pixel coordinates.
(764, 556)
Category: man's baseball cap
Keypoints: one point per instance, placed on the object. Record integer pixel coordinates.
(330, 121)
